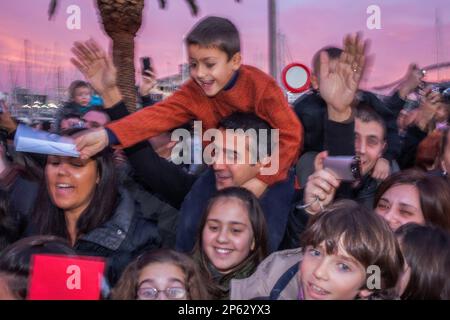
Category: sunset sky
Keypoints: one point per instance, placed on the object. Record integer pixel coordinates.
(408, 34)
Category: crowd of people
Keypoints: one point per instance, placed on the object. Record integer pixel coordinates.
(225, 229)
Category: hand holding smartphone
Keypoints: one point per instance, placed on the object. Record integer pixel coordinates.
(146, 65)
(345, 168)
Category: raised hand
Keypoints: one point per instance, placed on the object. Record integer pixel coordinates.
(148, 83)
(411, 81)
(428, 107)
(95, 65)
(338, 85)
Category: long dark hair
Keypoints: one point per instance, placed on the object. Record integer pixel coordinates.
(258, 223)
(49, 219)
(427, 251)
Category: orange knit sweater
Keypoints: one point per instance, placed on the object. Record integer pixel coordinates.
(254, 91)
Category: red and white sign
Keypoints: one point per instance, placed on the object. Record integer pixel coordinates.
(296, 77)
(55, 277)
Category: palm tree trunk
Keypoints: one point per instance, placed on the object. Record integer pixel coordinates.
(123, 58)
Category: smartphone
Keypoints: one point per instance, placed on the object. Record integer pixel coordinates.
(345, 168)
(146, 65)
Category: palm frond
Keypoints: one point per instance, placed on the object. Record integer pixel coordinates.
(52, 8)
(162, 4)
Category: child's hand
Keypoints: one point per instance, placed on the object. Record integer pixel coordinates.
(382, 169)
(90, 142)
(148, 83)
(95, 65)
(256, 186)
(338, 85)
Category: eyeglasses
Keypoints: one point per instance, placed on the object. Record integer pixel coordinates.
(153, 293)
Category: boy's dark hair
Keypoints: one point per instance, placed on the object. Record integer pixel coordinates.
(427, 252)
(333, 53)
(366, 114)
(363, 235)
(216, 32)
(246, 121)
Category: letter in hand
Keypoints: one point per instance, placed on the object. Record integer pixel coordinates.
(338, 85)
(90, 142)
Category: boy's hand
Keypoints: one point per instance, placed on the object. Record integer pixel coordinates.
(321, 186)
(338, 87)
(90, 142)
(256, 186)
(148, 83)
(382, 169)
(95, 65)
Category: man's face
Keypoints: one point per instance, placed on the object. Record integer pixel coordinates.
(369, 143)
(95, 119)
(211, 68)
(228, 171)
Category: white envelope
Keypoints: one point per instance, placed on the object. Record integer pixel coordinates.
(31, 140)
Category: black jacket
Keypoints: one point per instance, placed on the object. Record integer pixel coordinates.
(119, 240)
(311, 109)
(122, 238)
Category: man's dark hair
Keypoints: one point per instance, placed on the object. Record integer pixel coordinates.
(246, 121)
(365, 113)
(333, 53)
(216, 32)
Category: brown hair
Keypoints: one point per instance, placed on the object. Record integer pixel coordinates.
(363, 234)
(434, 193)
(127, 286)
(428, 150)
(427, 251)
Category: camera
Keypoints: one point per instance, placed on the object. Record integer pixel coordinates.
(345, 168)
